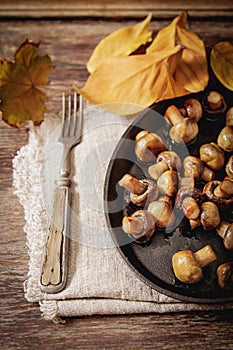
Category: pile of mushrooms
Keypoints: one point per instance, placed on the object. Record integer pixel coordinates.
(175, 184)
(184, 121)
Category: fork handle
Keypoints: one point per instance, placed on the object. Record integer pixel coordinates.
(54, 264)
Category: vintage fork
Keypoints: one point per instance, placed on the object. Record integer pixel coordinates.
(54, 265)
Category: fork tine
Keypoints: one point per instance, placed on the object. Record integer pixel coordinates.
(63, 113)
(78, 117)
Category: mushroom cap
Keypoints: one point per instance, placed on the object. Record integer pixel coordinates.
(162, 213)
(225, 138)
(171, 158)
(212, 155)
(228, 239)
(193, 108)
(168, 183)
(185, 131)
(229, 167)
(187, 191)
(229, 116)
(190, 208)
(140, 226)
(149, 195)
(186, 268)
(147, 146)
(224, 275)
(193, 167)
(210, 217)
(208, 191)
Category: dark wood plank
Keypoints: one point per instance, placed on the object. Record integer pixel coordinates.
(70, 43)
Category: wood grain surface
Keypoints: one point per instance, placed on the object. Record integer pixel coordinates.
(113, 8)
(70, 43)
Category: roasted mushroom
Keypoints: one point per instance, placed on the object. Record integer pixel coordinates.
(225, 231)
(140, 226)
(193, 109)
(229, 117)
(225, 188)
(173, 115)
(167, 160)
(190, 208)
(210, 217)
(194, 167)
(229, 167)
(168, 183)
(209, 191)
(187, 265)
(225, 139)
(185, 131)
(187, 191)
(141, 191)
(225, 275)
(163, 212)
(148, 146)
(212, 155)
(214, 102)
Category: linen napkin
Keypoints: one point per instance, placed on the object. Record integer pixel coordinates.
(99, 281)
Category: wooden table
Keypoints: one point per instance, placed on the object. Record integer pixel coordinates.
(70, 43)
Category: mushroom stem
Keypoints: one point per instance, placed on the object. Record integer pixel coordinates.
(195, 223)
(193, 108)
(205, 255)
(156, 170)
(207, 174)
(214, 100)
(227, 186)
(173, 115)
(167, 160)
(194, 167)
(131, 184)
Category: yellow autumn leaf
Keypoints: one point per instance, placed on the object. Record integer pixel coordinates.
(120, 43)
(221, 61)
(133, 81)
(192, 71)
(166, 37)
(174, 65)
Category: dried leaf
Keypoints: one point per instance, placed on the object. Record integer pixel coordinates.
(192, 70)
(134, 83)
(120, 43)
(21, 99)
(221, 61)
(174, 65)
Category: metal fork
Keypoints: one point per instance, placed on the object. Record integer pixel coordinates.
(54, 265)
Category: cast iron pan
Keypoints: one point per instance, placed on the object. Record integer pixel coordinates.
(152, 261)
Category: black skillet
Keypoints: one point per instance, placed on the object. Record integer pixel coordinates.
(152, 261)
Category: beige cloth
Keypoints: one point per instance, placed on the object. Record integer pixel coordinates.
(99, 280)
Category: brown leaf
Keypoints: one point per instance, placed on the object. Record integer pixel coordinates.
(221, 61)
(21, 99)
(120, 43)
